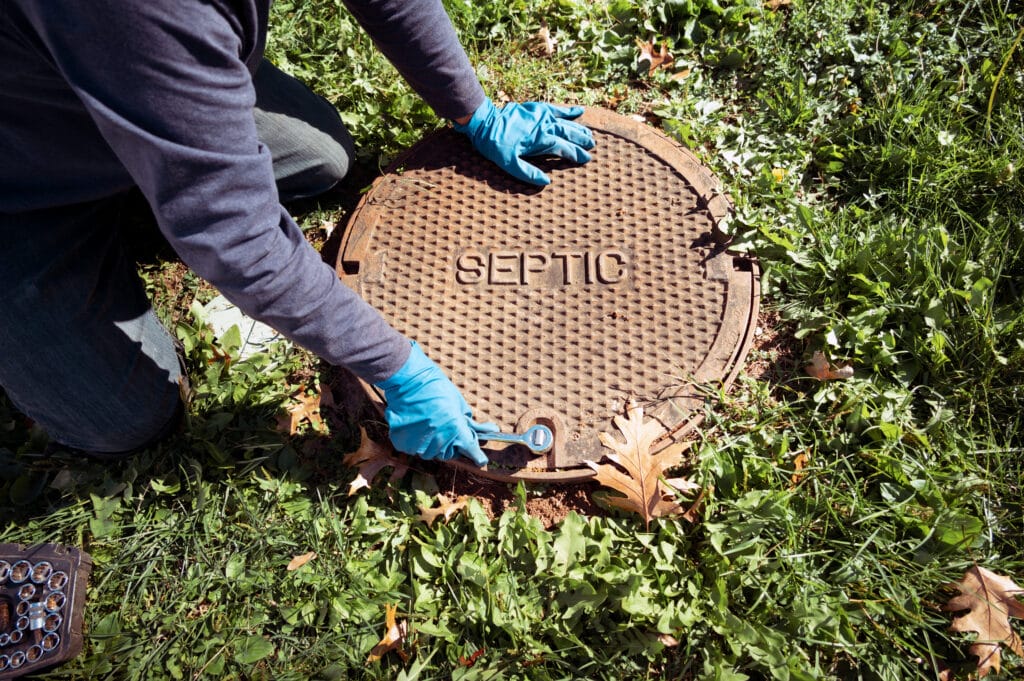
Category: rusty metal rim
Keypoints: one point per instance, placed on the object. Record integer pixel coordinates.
(716, 202)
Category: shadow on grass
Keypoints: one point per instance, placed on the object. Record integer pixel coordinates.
(38, 477)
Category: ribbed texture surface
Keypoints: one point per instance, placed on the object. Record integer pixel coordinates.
(571, 299)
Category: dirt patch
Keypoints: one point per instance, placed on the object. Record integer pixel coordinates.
(548, 503)
(776, 355)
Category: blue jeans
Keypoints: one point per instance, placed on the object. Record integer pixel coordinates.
(81, 351)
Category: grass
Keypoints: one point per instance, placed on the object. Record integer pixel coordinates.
(874, 153)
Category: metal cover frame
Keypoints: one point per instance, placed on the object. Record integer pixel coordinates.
(441, 189)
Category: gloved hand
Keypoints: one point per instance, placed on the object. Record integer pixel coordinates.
(507, 134)
(427, 415)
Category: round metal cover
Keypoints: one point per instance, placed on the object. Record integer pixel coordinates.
(560, 305)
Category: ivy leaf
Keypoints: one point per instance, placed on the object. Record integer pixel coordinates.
(371, 458)
(635, 471)
(394, 636)
(990, 600)
(446, 509)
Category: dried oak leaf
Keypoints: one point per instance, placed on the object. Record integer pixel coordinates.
(471, 660)
(541, 44)
(394, 636)
(307, 407)
(298, 561)
(636, 471)
(446, 509)
(990, 600)
(371, 458)
(820, 369)
(660, 59)
(775, 5)
(799, 463)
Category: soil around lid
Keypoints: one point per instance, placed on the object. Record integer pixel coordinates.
(548, 503)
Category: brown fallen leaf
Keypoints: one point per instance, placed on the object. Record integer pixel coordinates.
(820, 369)
(774, 5)
(668, 640)
(446, 509)
(680, 76)
(306, 408)
(635, 471)
(660, 59)
(990, 600)
(684, 485)
(298, 561)
(692, 514)
(798, 466)
(471, 660)
(541, 44)
(371, 458)
(394, 636)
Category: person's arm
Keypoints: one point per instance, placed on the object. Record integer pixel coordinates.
(171, 94)
(418, 38)
(169, 91)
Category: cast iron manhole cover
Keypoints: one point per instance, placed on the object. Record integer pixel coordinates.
(560, 305)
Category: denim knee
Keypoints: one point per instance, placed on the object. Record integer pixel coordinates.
(310, 147)
(81, 351)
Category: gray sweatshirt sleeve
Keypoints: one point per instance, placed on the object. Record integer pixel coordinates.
(167, 86)
(418, 38)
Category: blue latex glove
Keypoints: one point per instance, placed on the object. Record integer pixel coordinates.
(507, 134)
(427, 415)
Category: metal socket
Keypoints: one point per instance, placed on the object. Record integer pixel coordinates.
(41, 571)
(57, 581)
(50, 641)
(52, 622)
(20, 571)
(54, 601)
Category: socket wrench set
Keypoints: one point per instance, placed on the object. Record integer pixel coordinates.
(42, 595)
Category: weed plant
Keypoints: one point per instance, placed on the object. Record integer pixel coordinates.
(873, 150)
